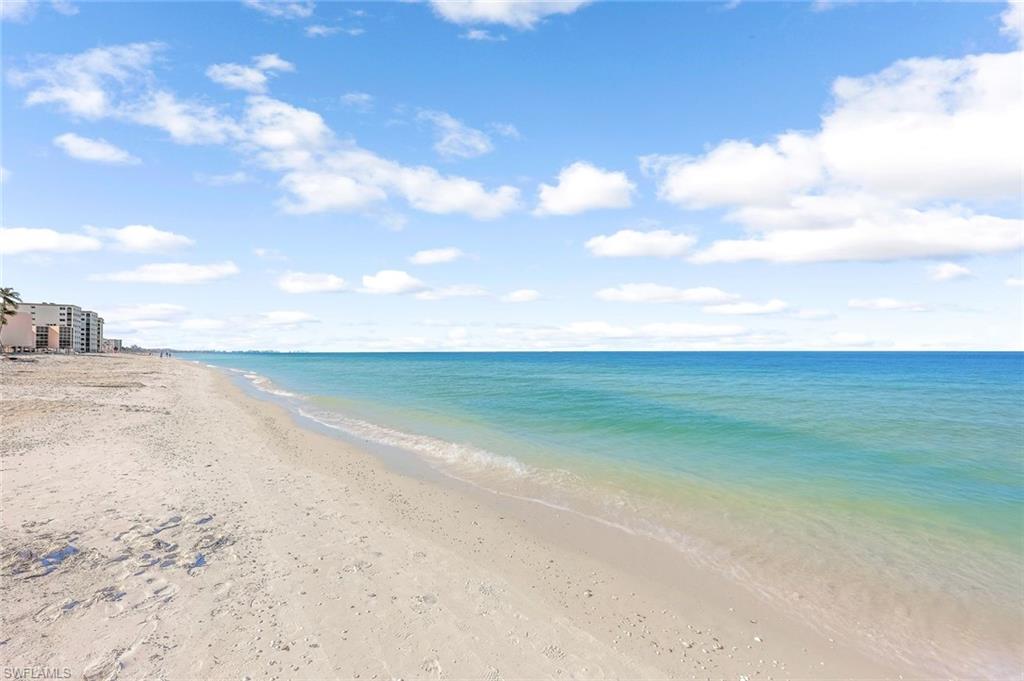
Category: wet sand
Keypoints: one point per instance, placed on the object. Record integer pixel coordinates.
(158, 522)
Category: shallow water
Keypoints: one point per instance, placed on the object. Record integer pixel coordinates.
(878, 494)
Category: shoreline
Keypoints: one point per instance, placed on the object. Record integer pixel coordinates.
(603, 602)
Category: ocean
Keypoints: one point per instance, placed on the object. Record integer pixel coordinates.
(879, 495)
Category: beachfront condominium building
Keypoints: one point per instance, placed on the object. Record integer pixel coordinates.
(65, 320)
(91, 332)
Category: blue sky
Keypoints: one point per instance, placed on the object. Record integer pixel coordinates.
(259, 175)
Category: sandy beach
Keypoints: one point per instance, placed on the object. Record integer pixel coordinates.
(160, 523)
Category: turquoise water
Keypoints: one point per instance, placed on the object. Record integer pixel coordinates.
(898, 475)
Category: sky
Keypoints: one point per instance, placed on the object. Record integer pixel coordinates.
(519, 175)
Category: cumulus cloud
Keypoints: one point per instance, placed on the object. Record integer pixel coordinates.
(238, 77)
(307, 282)
(892, 171)
(520, 14)
(249, 78)
(98, 150)
(773, 306)
(319, 171)
(272, 62)
(903, 233)
(391, 282)
(172, 273)
(1012, 20)
(141, 238)
(657, 293)
(948, 271)
(18, 240)
(582, 187)
(185, 122)
(455, 139)
(283, 9)
(522, 295)
(79, 83)
(630, 243)
(885, 304)
(434, 256)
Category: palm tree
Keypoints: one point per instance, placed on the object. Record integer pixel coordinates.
(9, 299)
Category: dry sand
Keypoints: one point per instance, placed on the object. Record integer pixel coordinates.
(160, 523)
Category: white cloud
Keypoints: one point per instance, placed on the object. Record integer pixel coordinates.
(520, 14)
(582, 187)
(249, 78)
(885, 304)
(773, 306)
(483, 35)
(738, 172)
(145, 311)
(321, 31)
(17, 240)
(813, 314)
(99, 150)
(286, 318)
(17, 10)
(223, 180)
(272, 62)
(283, 9)
(522, 295)
(456, 291)
(141, 238)
(269, 254)
(186, 122)
(434, 256)
(455, 139)
(64, 7)
(1012, 20)
(354, 178)
(947, 271)
(1014, 281)
(506, 130)
(304, 282)
(20, 11)
(657, 293)
(320, 172)
(890, 173)
(78, 83)
(172, 273)
(906, 233)
(628, 243)
(238, 77)
(361, 101)
(391, 282)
